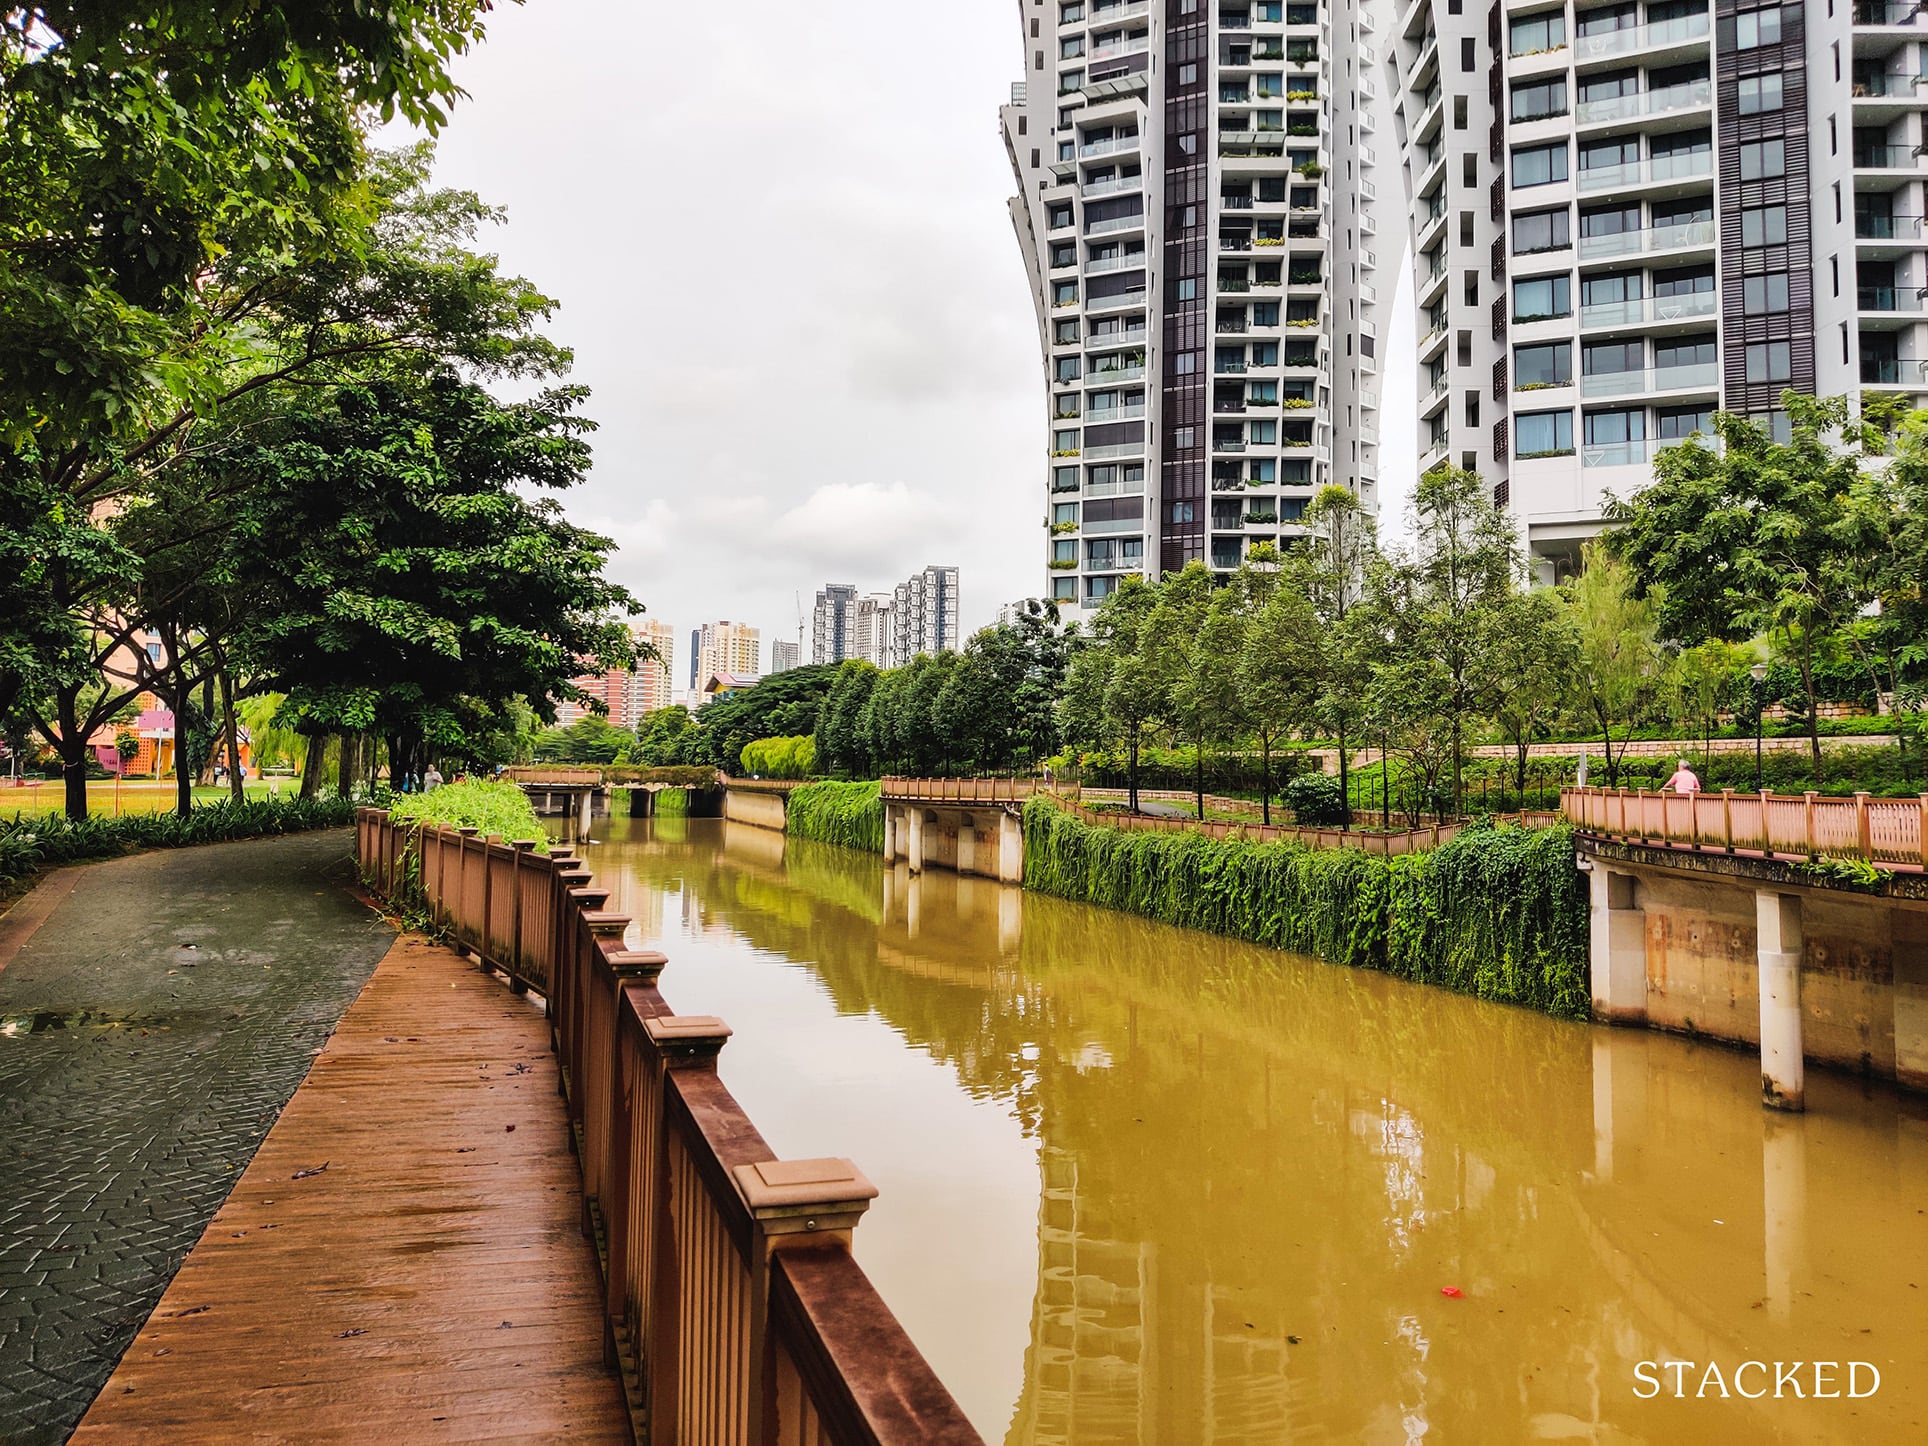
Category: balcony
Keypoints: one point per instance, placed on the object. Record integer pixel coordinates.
(1109, 148)
(1106, 376)
(1114, 451)
(1648, 103)
(1652, 238)
(1616, 454)
(1133, 222)
(1886, 228)
(1132, 45)
(1894, 372)
(1887, 298)
(1660, 34)
(1131, 412)
(1131, 261)
(1885, 13)
(1688, 306)
(1118, 185)
(1642, 173)
(1701, 376)
(1884, 85)
(1115, 303)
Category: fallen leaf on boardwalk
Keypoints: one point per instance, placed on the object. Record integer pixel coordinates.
(508, 1129)
(345, 1335)
(506, 1325)
(304, 1174)
(194, 1310)
(465, 1149)
(1451, 1292)
(164, 1351)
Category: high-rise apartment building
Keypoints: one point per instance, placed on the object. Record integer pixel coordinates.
(696, 657)
(784, 655)
(727, 647)
(650, 685)
(833, 623)
(1628, 216)
(1197, 190)
(874, 631)
(924, 615)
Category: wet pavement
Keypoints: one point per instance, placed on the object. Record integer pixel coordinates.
(151, 1029)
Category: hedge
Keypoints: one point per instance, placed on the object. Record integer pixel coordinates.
(492, 808)
(30, 844)
(1496, 912)
(849, 814)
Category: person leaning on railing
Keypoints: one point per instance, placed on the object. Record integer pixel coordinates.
(1685, 780)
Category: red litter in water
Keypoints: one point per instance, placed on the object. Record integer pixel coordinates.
(1451, 1292)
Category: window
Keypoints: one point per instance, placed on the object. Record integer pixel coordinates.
(1683, 280)
(1612, 358)
(1539, 165)
(1183, 437)
(1763, 225)
(1466, 61)
(1060, 217)
(1542, 231)
(1188, 74)
(1674, 423)
(1064, 512)
(1623, 151)
(1610, 220)
(1071, 47)
(1064, 441)
(1067, 368)
(1756, 93)
(1757, 28)
(1613, 289)
(1064, 331)
(1542, 366)
(1536, 34)
(1543, 434)
(1763, 158)
(1607, 19)
(1686, 351)
(1535, 100)
(1185, 288)
(1064, 479)
(1065, 589)
(1763, 295)
(1065, 550)
(1542, 297)
(1684, 153)
(1185, 363)
(1064, 293)
(1607, 429)
(1770, 361)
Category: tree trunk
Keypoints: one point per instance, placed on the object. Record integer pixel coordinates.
(1345, 781)
(1131, 769)
(1459, 806)
(73, 754)
(1519, 772)
(1265, 776)
(230, 732)
(1198, 777)
(345, 770)
(183, 770)
(1813, 707)
(313, 756)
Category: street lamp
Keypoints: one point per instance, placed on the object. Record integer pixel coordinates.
(1759, 674)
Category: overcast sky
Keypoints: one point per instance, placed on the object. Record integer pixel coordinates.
(779, 239)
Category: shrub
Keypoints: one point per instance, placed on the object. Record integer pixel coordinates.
(493, 808)
(1496, 912)
(1315, 800)
(849, 814)
(28, 845)
(792, 757)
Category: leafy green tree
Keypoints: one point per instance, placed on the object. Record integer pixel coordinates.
(782, 705)
(1533, 663)
(1704, 679)
(1622, 666)
(1110, 691)
(660, 737)
(842, 744)
(1282, 666)
(1334, 571)
(1757, 537)
(1190, 648)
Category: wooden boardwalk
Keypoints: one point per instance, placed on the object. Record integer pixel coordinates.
(403, 1258)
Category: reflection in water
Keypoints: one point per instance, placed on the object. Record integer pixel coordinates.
(1143, 1184)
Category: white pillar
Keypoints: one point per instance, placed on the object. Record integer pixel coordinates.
(1778, 946)
(1784, 1198)
(966, 845)
(588, 811)
(914, 851)
(891, 815)
(1619, 965)
(1010, 848)
(1010, 920)
(1603, 1106)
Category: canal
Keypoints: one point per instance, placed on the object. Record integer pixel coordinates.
(1140, 1184)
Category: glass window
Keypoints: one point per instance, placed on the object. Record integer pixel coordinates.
(1609, 358)
(1763, 225)
(1605, 429)
(1683, 280)
(1622, 151)
(1610, 220)
(1064, 479)
(1535, 34)
(1757, 28)
(1683, 213)
(1535, 100)
(1071, 47)
(1065, 589)
(1763, 295)
(1685, 351)
(1064, 512)
(1543, 434)
(1612, 86)
(1605, 290)
(1770, 361)
(1539, 165)
(1756, 93)
(1541, 231)
(1763, 158)
(1676, 422)
(1065, 441)
(1540, 297)
(1550, 365)
(1606, 19)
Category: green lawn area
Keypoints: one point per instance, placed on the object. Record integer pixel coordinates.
(135, 795)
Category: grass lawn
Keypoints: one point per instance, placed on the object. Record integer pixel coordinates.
(135, 795)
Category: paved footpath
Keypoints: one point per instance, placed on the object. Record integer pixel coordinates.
(155, 1019)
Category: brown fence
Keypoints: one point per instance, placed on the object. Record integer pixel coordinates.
(1406, 841)
(1800, 825)
(731, 1298)
(961, 790)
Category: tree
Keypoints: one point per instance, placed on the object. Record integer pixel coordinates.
(1533, 660)
(1110, 691)
(1190, 645)
(782, 705)
(842, 744)
(1282, 666)
(1702, 680)
(1621, 662)
(1757, 537)
(1334, 573)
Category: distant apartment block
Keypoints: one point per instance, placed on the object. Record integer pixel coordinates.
(1629, 216)
(833, 623)
(784, 655)
(1198, 211)
(727, 647)
(924, 615)
(651, 686)
(887, 628)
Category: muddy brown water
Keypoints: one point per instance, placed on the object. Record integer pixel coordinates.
(1142, 1184)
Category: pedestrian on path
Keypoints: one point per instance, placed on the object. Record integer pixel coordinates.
(1684, 779)
(431, 780)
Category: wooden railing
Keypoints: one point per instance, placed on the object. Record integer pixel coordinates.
(1892, 831)
(554, 775)
(961, 790)
(1405, 841)
(731, 1299)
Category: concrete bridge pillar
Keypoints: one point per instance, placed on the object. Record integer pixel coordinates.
(1619, 948)
(893, 818)
(966, 845)
(1010, 920)
(914, 848)
(1779, 947)
(587, 812)
(1010, 848)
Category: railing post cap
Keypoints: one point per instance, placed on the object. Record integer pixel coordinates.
(789, 1197)
(467, 830)
(643, 964)
(686, 1038)
(523, 845)
(602, 921)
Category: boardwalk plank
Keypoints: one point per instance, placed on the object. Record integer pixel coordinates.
(431, 1284)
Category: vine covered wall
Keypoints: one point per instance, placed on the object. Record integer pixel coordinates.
(1498, 912)
(849, 814)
